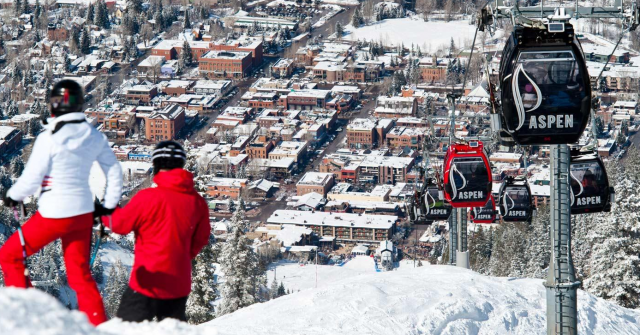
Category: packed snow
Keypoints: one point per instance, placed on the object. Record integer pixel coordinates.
(352, 300)
(413, 30)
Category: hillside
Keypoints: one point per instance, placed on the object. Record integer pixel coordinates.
(427, 300)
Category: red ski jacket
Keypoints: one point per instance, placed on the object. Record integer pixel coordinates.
(171, 226)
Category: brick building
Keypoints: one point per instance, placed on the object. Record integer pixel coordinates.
(361, 134)
(317, 182)
(308, 99)
(229, 187)
(165, 124)
(140, 94)
(10, 139)
(225, 64)
(259, 148)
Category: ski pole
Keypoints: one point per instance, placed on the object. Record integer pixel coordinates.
(96, 247)
(24, 247)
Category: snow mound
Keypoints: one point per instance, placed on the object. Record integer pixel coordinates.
(427, 300)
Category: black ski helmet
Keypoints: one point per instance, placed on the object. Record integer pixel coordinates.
(168, 155)
(66, 97)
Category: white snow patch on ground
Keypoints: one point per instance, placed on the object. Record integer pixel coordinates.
(440, 300)
(429, 35)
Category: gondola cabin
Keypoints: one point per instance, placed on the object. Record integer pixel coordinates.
(590, 190)
(467, 175)
(545, 87)
(485, 214)
(436, 208)
(514, 201)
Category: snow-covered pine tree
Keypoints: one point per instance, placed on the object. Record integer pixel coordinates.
(281, 290)
(98, 271)
(90, 13)
(239, 263)
(339, 30)
(17, 166)
(614, 265)
(274, 289)
(117, 282)
(186, 56)
(85, 42)
(480, 243)
(187, 20)
(203, 289)
(508, 252)
(2, 240)
(538, 253)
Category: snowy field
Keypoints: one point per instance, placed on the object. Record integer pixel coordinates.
(352, 299)
(430, 36)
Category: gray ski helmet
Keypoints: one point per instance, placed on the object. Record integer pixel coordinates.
(65, 97)
(168, 155)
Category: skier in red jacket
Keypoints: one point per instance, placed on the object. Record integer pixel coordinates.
(171, 225)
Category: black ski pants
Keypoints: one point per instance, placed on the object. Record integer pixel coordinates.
(136, 307)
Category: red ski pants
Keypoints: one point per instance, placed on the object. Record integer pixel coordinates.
(75, 233)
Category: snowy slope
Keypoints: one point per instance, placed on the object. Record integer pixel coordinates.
(428, 300)
(429, 35)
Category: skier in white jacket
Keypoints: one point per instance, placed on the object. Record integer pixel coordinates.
(59, 166)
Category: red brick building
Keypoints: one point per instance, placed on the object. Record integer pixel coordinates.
(225, 64)
(165, 124)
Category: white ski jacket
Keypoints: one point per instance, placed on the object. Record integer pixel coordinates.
(60, 164)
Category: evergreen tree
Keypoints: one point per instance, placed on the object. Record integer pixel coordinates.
(480, 244)
(25, 7)
(37, 11)
(274, 289)
(102, 15)
(281, 290)
(452, 48)
(2, 240)
(17, 7)
(508, 252)
(339, 30)
(186, 56)
(614, 266)
(159, 19)
(35, 127)
(239, 263)
(187, 21)
(17, 166)
(98, 271)
(85, 42)
(90, 13)
(538, 253)
(203, 289)
(357, 20)
(117, 282)
(136, 6)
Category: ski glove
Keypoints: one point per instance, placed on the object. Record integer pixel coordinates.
(8, 202)
(101, 211)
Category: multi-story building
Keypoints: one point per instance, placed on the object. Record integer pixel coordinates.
(361, 134)
(289, 149)
(403, 137)
(225, 64)
(259, 148)
(395, 107)
(345, 227)
(433, 69)
(229, 187)
(165, 124)
(308, 99)
(10, 139)
(317, 182)
(140, 94)
(282, 68)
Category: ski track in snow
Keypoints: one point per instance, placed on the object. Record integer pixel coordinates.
(438, 300)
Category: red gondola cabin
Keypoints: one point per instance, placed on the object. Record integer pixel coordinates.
(467, 175)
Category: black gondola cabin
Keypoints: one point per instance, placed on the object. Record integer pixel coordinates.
(515, 201)
(590, 190)
(436, 208)
(485, 214)
(545, 86)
